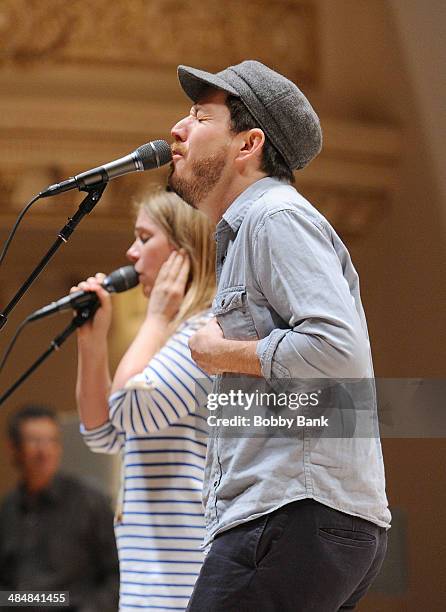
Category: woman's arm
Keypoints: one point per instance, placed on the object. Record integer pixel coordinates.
(162, 308)
(93, 375)
(103, 418)
(169, 388)
(157, 383)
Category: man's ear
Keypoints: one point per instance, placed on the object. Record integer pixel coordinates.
(251, 144)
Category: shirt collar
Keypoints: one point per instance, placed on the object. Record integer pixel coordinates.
(234, 215)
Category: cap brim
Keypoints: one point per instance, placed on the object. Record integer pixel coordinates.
(195, 82)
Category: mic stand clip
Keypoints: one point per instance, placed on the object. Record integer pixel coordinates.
(82, 316)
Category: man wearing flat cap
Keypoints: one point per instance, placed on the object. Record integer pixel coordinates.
(294, 522)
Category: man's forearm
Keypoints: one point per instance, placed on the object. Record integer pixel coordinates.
(238, 356)
(215, 354)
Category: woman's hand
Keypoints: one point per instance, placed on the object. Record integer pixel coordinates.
(170, 285)
(164, 302)
(96, 328)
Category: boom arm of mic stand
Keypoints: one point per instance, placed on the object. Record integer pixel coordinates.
(85, 207)
(82, 316)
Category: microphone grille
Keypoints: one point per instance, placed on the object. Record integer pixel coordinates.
(121, 279)
(154, 154)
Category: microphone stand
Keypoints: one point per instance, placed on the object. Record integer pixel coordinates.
(86, 206)
(82, 316)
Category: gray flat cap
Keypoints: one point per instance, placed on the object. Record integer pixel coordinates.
(281, 109)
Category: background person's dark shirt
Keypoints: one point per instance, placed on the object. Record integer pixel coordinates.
(60, 540)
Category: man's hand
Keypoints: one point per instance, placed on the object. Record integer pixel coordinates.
(215, 355)
(205, 346)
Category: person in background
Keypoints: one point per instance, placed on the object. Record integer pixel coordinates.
(56, 533)
(147, 410)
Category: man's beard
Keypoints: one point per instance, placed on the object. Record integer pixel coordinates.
(206, 173)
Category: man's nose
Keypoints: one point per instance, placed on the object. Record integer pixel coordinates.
(179, 130)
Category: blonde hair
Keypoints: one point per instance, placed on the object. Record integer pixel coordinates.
(190, 230)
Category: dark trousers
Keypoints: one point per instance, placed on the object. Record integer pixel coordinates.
(304, 556)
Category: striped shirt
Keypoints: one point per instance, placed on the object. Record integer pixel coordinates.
(163, 443)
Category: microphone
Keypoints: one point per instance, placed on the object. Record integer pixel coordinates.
(120, 280)
(150, 155)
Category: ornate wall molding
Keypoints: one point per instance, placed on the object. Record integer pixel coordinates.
(352, 181)
(352, 211)
(155, 34)
(86, 82)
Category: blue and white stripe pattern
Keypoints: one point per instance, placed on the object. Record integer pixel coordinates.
(152, 422)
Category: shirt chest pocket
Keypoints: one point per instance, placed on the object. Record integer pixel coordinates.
(230, 306)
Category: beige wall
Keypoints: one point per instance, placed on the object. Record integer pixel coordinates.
(379, 179)
(401, 258)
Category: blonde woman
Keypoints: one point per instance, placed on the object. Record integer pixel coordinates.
(145, 411)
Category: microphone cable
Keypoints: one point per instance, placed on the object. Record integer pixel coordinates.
(12, 343)
(14, 229)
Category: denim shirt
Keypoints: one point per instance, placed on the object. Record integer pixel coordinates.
(286, 279)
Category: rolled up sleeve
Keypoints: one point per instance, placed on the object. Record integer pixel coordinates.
(301, 276)
(103, 439)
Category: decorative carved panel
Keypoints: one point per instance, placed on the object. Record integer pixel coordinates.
(85, 82)
(350, 208)
(351, 211)
(161, 33)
